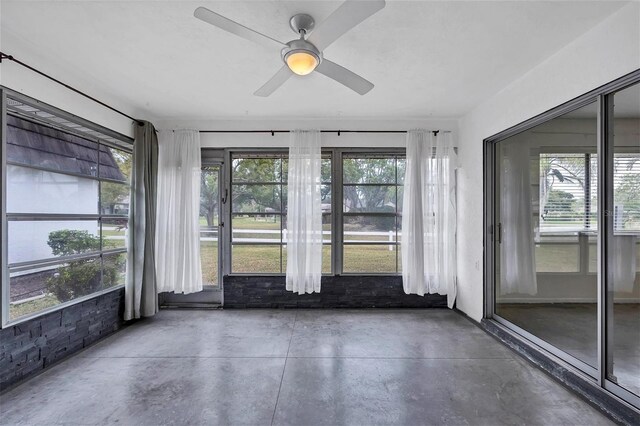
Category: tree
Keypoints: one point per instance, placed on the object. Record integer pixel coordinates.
(209, 197)
(369, 170)
(265, 196)
(113, 193)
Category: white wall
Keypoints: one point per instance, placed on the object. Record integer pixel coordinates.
(606, 52)
(22, 80)
(36, 191)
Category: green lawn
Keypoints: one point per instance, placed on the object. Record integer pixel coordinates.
(26, 308)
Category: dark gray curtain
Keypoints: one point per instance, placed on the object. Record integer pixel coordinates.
(141, 295)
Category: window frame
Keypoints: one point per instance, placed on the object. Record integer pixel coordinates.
(603, 95)
(395, 154)
(336, 244)
(103, 137)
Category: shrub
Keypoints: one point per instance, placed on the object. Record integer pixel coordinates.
(79, 277)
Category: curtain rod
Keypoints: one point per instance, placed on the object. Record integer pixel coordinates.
(73, 89)
(273, 132)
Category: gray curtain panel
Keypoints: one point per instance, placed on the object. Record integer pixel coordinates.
(141, 295)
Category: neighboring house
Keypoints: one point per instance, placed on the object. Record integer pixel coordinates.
(34, 153)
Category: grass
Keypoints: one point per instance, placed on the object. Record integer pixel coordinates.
(370, 259)
(16, 311)
(209, 262)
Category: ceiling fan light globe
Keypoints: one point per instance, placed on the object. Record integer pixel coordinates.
(301, 62)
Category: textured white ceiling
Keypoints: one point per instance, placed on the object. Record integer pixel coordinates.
(426, 58)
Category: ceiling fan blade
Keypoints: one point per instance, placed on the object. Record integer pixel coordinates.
(233, 27)
(343, 76)
(276, 81)
(348, 15)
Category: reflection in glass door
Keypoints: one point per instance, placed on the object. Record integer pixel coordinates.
(564, 234)
(546, 216)
(623, 257)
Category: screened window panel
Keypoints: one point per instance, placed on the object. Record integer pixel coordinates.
(369, 198)
(114, 233)
(369, 170)
(113, 270)
(40, 146)
(370, 229)
(115, 164)
(114, 198)
(256, 259)
(373, 259)
(257, 169)
(257, 198)
(36, 240)
(52, 171)
(256, 229)
(39, 191)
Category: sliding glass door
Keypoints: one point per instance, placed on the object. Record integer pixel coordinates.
(563, 234)
(547, 221)
(623, 248)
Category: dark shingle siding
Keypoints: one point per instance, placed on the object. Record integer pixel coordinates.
(34, 144)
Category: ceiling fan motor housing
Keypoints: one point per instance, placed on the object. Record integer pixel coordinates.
(300, 46)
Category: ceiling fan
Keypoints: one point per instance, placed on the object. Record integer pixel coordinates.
(302, 56)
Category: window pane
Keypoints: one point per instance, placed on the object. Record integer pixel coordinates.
(378, 198)
(326, 259)
(37, 145)
(557, 257)
(546, 201)
(114, 198)
(256, 198)
(369, 170)
(36, 240)
(326, 228)
(209, 243)
(325, 170)
(38, 289)
(564, 205)
(256, 228)
(369, 258)
(115, 164)
(209, 197)
(325, 198)
(255, 259)
(623, 285)
(37, 191)
(114, 233)
(113, 270)
(256, 169)
(402, 166)
(380, 229)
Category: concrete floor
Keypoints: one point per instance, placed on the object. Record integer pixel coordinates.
(572, 327)
(326, 367)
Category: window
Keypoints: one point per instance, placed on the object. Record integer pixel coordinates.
(259, 213)
(371, 212)
(67, 199)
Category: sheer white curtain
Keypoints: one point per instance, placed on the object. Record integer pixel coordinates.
(177, 229)
(304, 213)
(517, 254)
(429, 216)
